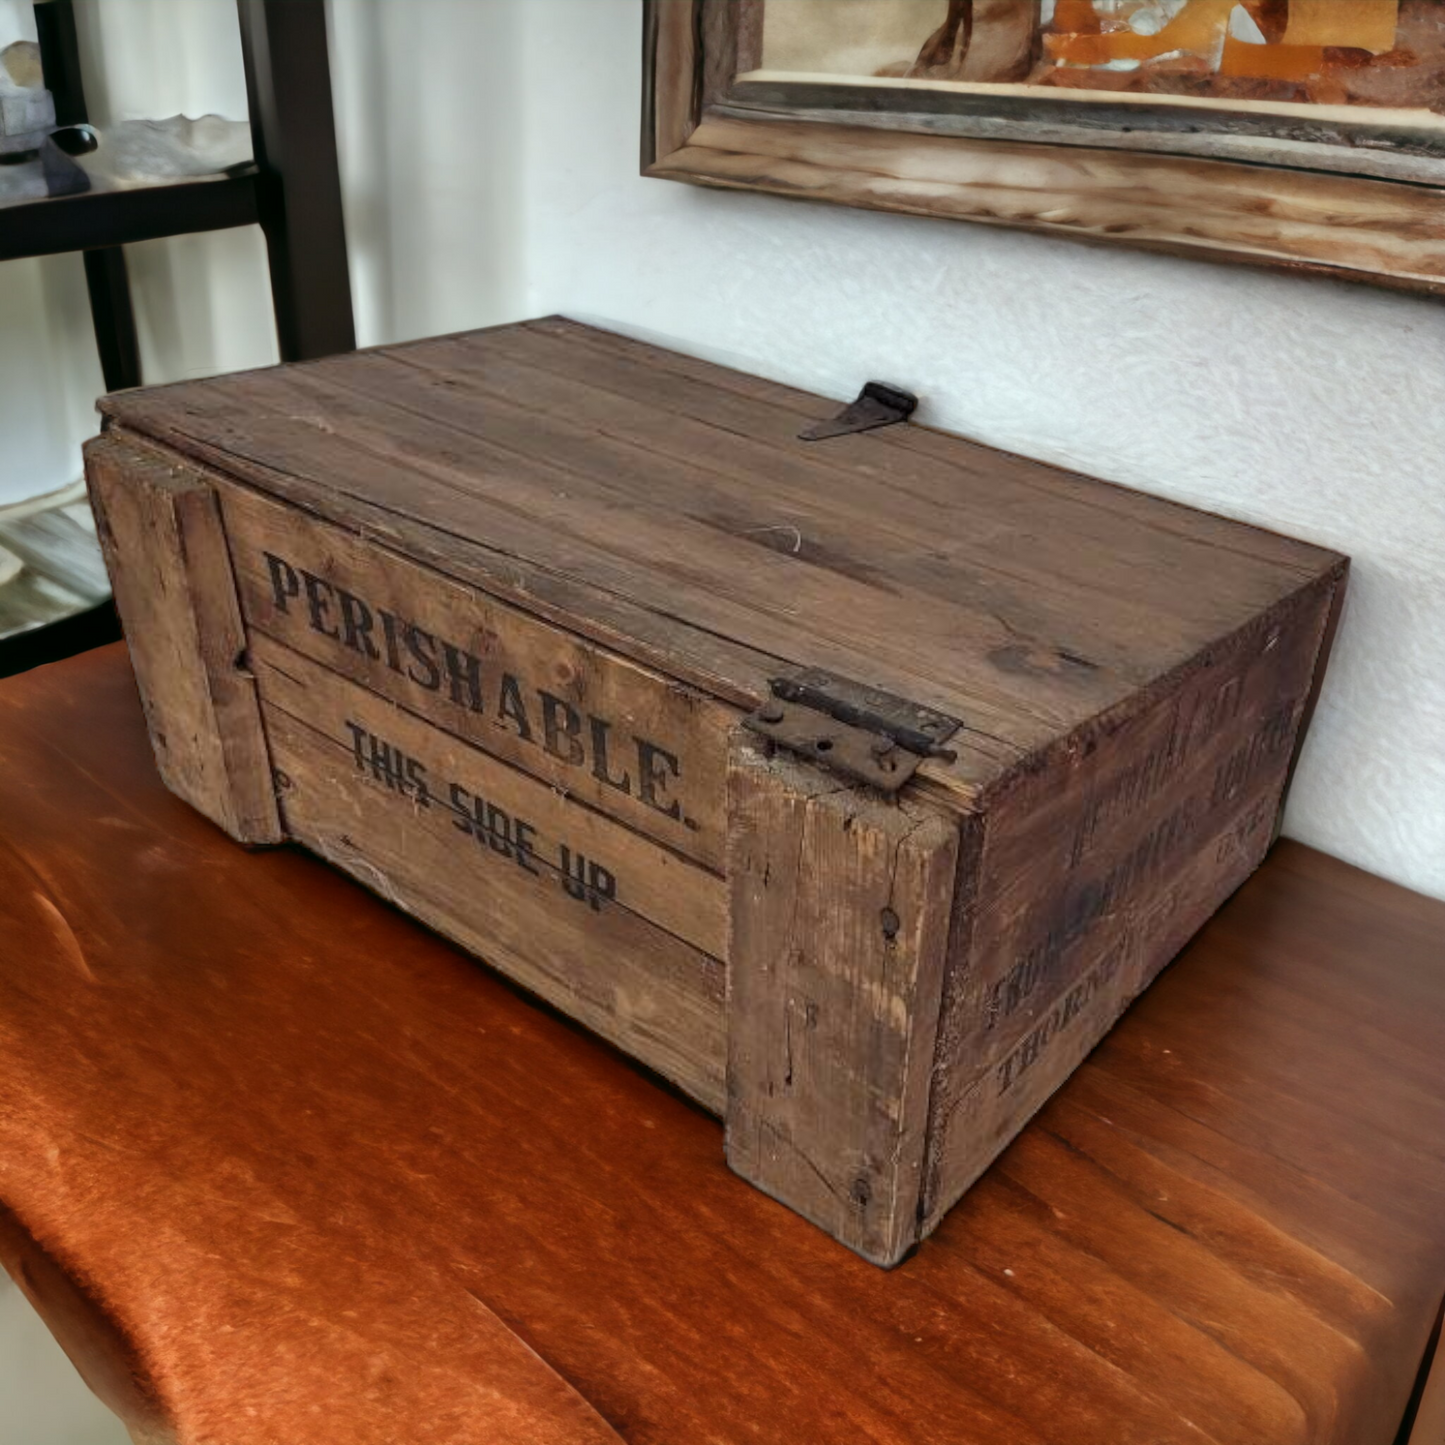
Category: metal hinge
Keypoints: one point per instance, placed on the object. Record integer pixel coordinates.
(861, 732)
(878, 404)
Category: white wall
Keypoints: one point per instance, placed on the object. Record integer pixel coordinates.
(1312, 407)
(428, 112)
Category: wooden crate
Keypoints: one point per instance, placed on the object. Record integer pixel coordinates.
(855, 785)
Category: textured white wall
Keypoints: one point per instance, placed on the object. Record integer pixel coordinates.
(1312, 407)
(428, 126)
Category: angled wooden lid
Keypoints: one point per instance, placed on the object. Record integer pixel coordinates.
(666, 507)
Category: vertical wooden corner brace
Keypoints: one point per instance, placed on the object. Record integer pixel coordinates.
(160, 529)
(840, 905)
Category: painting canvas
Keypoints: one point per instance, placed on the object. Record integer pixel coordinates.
(1382, 53)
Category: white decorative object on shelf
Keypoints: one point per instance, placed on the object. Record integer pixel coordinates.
(27, 111)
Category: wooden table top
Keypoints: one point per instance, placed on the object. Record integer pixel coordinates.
(277, 1165)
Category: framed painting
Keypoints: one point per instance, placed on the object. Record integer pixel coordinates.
(1301, 133)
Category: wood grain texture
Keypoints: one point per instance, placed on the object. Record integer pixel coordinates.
(670, 60)
(1358, 140)
(1018, 557)
(839, 928)
(302, 1172)
(394, 510)
(611, 968)
(160, 530)
(588, 722)
(526, 575)
(513, 814)
(1093, 171)
(577, 554)
(1349, 227)
(1099, 863)
(612, 488)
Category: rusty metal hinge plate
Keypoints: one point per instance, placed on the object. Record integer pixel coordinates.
(878, 404)
(862, 732)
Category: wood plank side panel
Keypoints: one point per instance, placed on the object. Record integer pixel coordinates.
(840, 917)
(1100, 865)
(161, 533)
(648, 992)
(644, 748)
(511, 812)
(1347, 226)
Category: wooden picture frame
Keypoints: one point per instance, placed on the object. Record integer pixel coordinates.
(1345, 192)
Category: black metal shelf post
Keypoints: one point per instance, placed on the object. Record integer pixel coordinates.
(298, 185)
(111, 311)
(293, 190)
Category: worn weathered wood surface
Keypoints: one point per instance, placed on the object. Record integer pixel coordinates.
(1351, 139)
(510, 813)
(1211, 209)
(839, 930)
(505, 595)
(278, 1165)
(615, 488)
(522, 908)
(160, 530)
(586, 721)
(1095, 869)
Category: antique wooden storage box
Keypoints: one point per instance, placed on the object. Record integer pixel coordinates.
(856, 785)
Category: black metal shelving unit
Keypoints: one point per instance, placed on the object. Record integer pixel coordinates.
(292, 190)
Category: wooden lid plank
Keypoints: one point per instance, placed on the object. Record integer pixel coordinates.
(1021, 599)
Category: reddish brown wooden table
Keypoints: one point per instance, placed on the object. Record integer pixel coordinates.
(279, 1166)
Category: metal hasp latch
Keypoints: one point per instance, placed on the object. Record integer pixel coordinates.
(878, 404)
(862, 732)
